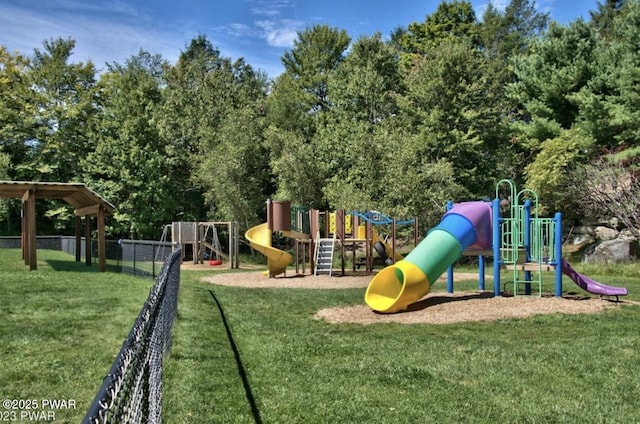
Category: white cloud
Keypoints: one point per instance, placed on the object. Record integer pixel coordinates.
(238, 30)
(271, 8)
(280, 33)
(545, 6)
(271, 13)
(500, 4)
(102, 34)
(542, 6)
(480, 8)
(115, 30)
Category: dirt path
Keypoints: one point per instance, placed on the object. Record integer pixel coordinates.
(437, 308)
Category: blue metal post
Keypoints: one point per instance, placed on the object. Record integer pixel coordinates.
(450, 268)
(481, 272)
(558, 252)
(497, 242)
(450, 279)
(527, 245)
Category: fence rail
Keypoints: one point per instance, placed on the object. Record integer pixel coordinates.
(132, 390)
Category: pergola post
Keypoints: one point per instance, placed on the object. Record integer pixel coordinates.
(24, 241)
(102, 255)
(29, 229)
(87, 240)
(78, 238)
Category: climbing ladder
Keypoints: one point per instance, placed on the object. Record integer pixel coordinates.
(527, 240)
(324, 255)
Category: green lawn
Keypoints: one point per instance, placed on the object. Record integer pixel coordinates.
(244, 355)
(61, 328)
(294, 369)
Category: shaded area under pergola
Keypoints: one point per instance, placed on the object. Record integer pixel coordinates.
(85, 202)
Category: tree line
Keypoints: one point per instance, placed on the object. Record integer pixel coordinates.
(440, 109)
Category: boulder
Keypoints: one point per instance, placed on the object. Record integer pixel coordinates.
(587, 234)
(605, 233)
(585, 230)
(613, 251)
(580, 239)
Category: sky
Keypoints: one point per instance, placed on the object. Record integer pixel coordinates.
(260, 31)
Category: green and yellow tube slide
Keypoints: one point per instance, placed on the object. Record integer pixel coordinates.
(399, 285)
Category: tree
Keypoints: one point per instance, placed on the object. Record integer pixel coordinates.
(296, 110)
(315, 55)
(5, 204)
(288, 107)
(506, 34)
(607, 189)
(192, 110)
(366, 84)
(626, 52)
(131, 164)
(446, 104)
(16, 112)
(603, 17)
(398, 177)
(547, 136)
(202, 90)
(454, 20)
(5, 165)
(291, 126)
(609, 105)
(365, 89)
(48, 110)
(580, 96)
(298, 173)
(412, 184)
(64, 108)
(549, 174)
(235, 172)
(16, 122)
(556, 68)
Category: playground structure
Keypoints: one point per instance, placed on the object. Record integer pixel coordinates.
(203, 241)
(508, 229)
(353, 231)
(318, 234)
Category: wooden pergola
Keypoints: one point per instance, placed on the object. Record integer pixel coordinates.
(85, 203)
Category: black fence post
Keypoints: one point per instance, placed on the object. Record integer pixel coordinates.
(153, 260)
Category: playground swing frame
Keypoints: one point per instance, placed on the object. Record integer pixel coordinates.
(195, 233)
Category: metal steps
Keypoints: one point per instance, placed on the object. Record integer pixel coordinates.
(324, 256)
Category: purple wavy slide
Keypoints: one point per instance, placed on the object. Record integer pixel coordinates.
(590, 285)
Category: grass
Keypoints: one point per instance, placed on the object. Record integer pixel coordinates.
(61, 327)
(295, 369)
(245, 355)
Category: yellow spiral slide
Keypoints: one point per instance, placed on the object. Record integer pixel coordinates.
(259, 238)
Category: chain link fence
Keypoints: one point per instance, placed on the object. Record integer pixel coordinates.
(135, 257)
(132, 390)
(141, 257)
